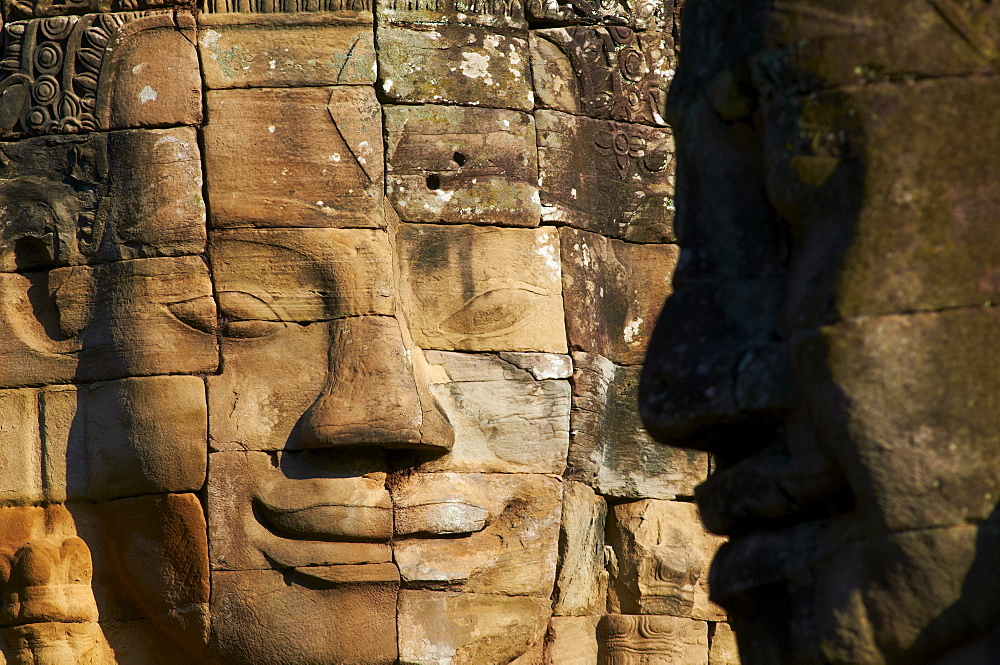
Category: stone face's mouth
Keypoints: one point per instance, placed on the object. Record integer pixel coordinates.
(328, 522)
(448, 517)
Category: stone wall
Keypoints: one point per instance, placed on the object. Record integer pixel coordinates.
(478, 192)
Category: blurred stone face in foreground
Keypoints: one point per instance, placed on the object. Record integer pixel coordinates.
(829, 339)
(320, 329)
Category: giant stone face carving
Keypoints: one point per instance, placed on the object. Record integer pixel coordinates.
(828, 340)
(289, 324)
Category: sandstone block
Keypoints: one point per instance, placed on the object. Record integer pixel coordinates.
(924, 380)
(541, 365)
(635, 640)
(604, 176)
(101, 71)
(510, 524)
(572, 640)
(503, 423)
(610, 73)
(134, 193)
(331, 178)
(618, 289)
(168, 639)
(150, 557)
(609, 448)
(32, 342)
(724, 650)
(285, 510)
(21, 450)
(279, 50)
(454, 64)
(123, 438)
(476, 289)
(168, 300)
(582, 583)
(446, 628)
(321, 614)
(663, 554)
(453, 164)
(301, 275)
(940, 251)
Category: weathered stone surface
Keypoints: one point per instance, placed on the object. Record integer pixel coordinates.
(610, 450)
(101, 197)
(21, 452)
(582, 583)
(164, 299)
(604, 176)
(724, 650)
(301, 275)
(453, 164)
(447, 628)
(662, 556)
(285, 510)
(914, 392)
(454, 64)
(635, 640)
(572, 640)
(123, 438)
(505, 420)
(619, 288)
(331, 178)
(477, 289)
(142, 641)
(640, 15)
(150, 558)
(279, 50)
(322, 615)
(541, 365)
(510, 523)
(100, 71)
(610, 73)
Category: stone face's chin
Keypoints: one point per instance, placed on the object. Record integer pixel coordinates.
(310, 616)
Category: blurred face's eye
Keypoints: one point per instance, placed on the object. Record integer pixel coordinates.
(244, 316)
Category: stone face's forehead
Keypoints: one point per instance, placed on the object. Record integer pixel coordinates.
(319, 323)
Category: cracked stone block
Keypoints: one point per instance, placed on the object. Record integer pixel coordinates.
(509, 523)
(582, 583)
(617, 289)
(611, 450)
(434, 63)
(447, 628)
(294, 157)
(324, 614)
(505, 420)
(286, 50)
(662, 553)
(21, 452)
(122, 438)
(572, 640)
(605, 176)
(472, 288)
(462, 165)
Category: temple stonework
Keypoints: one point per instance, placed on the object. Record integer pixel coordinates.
(320, 331)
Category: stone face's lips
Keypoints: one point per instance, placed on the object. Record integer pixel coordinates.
(329, 522)
(447, 517)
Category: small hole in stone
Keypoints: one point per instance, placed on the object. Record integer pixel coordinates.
(434, 181)
(459, 158)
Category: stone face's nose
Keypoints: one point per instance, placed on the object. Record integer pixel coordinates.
(375, 393)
